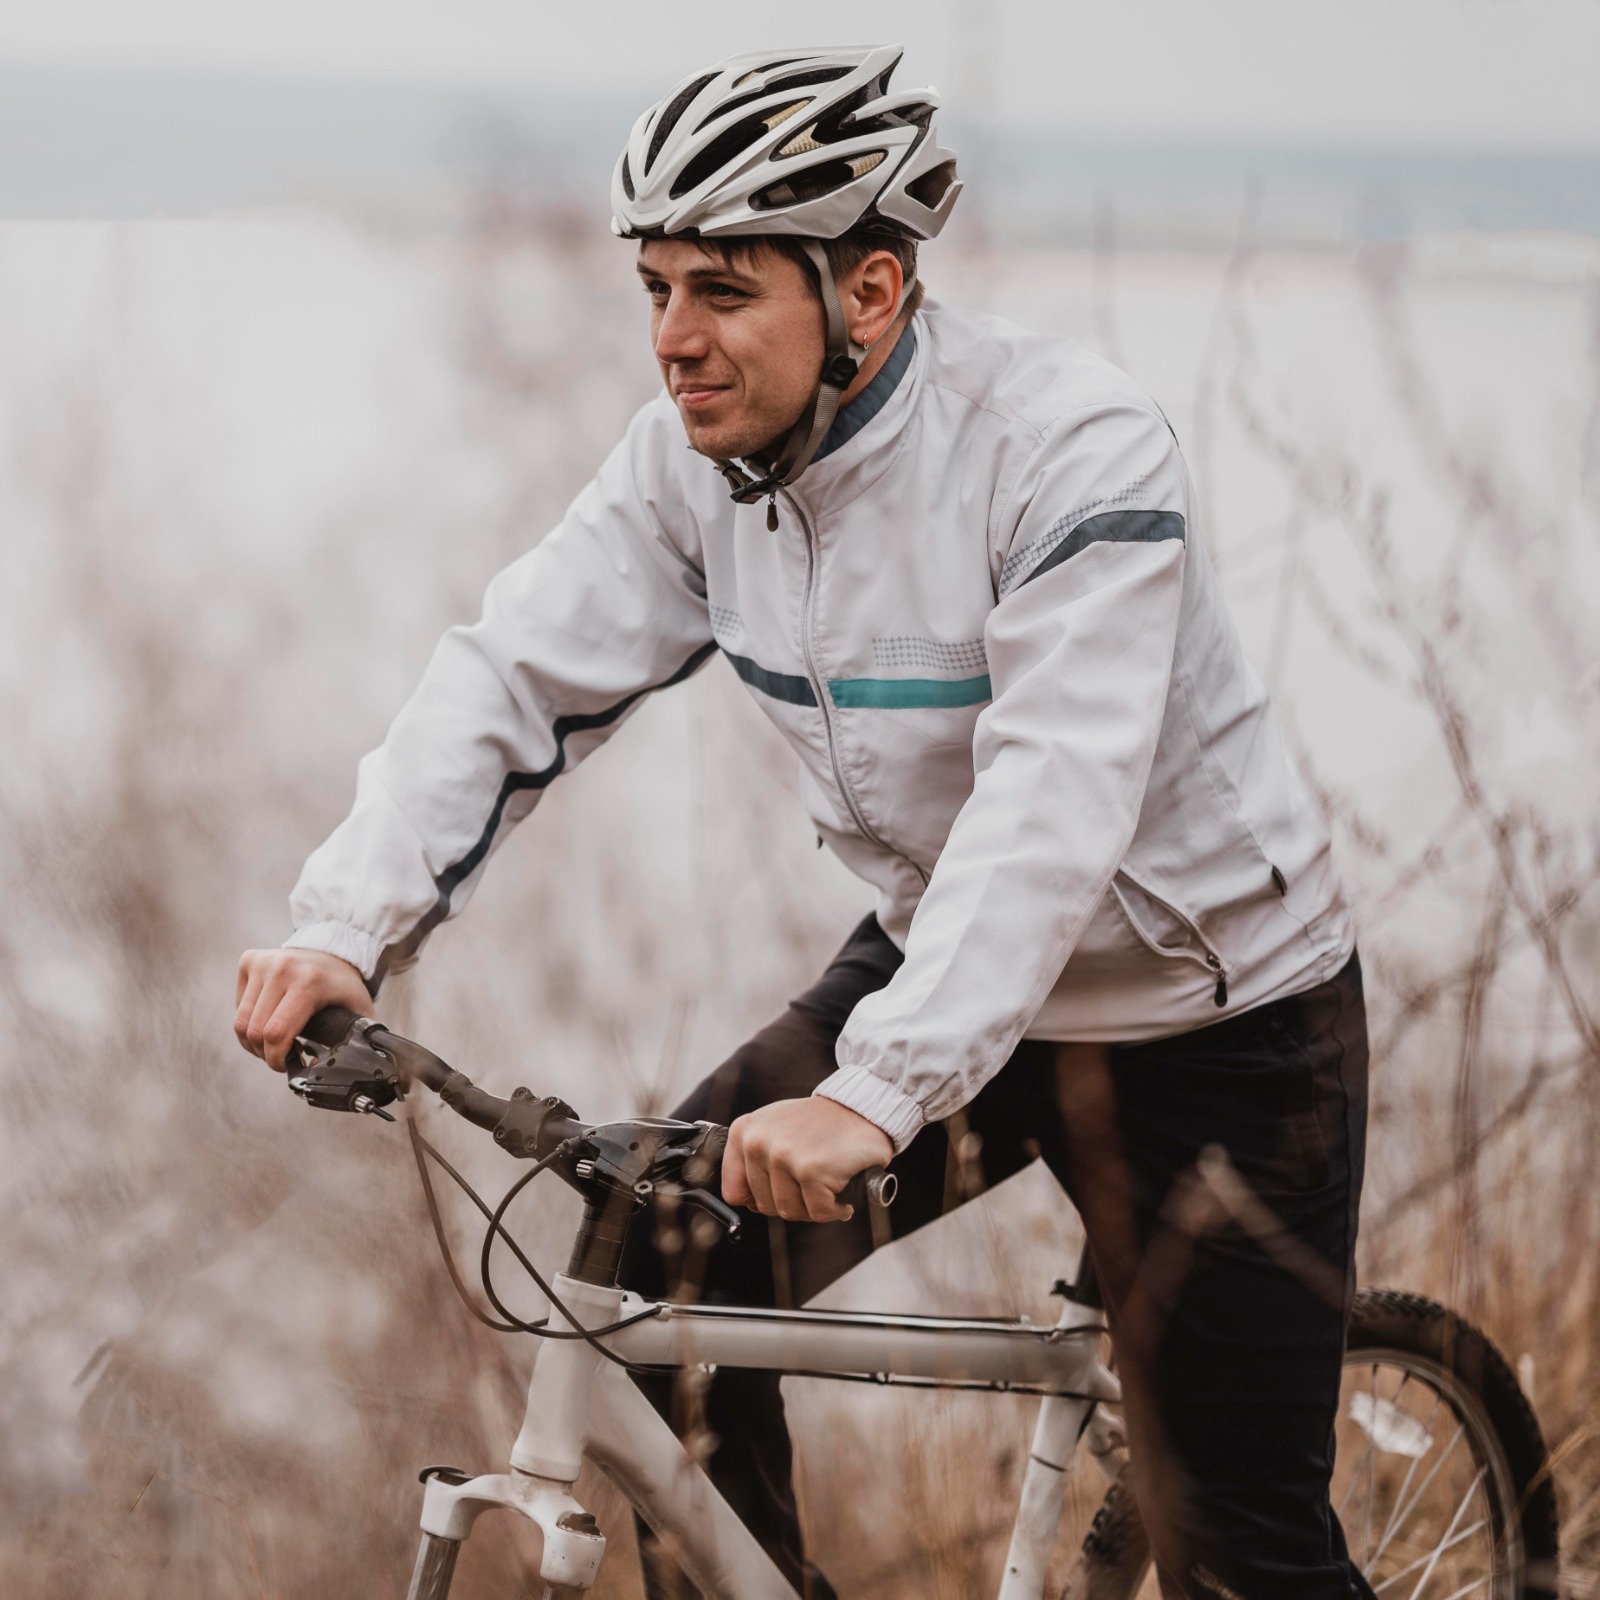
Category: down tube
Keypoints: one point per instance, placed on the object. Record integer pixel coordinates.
(630, 1443)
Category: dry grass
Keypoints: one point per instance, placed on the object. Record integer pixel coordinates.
(226, 1345)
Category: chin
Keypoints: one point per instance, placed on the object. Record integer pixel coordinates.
(725, 441)
(721, 444)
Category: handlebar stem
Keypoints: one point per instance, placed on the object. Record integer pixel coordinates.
(597, 1249)
(533, 1128)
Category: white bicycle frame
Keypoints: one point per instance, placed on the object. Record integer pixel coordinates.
(581, 1405)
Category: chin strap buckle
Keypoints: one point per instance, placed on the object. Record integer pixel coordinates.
(840, 371)
(747, 490)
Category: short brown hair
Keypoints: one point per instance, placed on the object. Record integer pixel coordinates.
(849, 250)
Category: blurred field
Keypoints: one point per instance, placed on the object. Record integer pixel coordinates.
(250, 470)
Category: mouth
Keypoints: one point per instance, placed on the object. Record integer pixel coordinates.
(696, 396)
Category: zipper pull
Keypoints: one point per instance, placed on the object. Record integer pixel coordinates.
(1214, 962)
(772, 512)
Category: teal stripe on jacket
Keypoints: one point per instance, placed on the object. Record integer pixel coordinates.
(900, 694)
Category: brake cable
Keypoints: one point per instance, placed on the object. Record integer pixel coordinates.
(322, 1082)
(588, 1335)
(421, 1149)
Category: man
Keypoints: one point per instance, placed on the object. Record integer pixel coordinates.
(956, 564)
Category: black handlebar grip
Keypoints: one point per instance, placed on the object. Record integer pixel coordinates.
(330, 1026)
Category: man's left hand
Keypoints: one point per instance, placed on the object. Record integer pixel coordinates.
(791, 1159)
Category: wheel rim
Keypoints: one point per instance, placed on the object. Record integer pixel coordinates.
(1420, 1483)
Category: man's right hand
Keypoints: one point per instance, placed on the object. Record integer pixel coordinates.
(281, 990)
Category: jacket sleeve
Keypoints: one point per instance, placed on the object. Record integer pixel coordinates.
(573, 635)
(1080, 644)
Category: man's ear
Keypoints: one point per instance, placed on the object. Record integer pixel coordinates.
(869, 295)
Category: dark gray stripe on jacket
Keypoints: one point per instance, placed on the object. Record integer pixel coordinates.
(1113, 527)
(796, 691)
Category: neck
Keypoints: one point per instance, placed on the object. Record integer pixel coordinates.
(876, 356)
(870, 368)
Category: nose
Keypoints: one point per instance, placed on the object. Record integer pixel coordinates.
(681, 334)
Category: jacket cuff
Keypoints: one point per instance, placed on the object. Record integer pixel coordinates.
(876, 1099)
(351, 944)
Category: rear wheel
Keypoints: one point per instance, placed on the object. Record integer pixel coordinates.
(1440, 1475)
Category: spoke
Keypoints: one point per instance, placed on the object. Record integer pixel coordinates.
(1432, 1555)
(1467, 1588)
(1422, 1489)
(1391, 1527)
(1466, 1500)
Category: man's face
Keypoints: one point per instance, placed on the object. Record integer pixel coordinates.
(740, 345)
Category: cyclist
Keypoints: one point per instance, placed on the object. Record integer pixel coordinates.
(958, 567)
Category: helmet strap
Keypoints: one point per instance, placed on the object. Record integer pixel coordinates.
(841, 362)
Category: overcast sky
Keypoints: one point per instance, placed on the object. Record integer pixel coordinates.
(1436, 71)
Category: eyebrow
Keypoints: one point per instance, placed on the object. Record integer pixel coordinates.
(698, 274)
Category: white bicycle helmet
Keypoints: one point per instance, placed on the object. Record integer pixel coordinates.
(805, 143)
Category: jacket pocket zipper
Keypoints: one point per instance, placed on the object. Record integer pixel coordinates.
(1206, 956)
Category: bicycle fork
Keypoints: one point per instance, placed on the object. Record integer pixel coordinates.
(545, 1463)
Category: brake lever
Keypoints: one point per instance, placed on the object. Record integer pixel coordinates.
(714, 1206)
(353, 1076)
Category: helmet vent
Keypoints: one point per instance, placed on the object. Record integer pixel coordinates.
(882, 122)
(669, 118)
(627, 177)
(803, 143)
(812, 183)
(933, 185)
(795, 80)
(728, 144)
(761, 72)
(779, 117)
(802, 80)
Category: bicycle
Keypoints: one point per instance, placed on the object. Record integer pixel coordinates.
(1419, 1381)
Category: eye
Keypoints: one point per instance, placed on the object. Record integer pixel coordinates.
(654, 287)
(725, 293)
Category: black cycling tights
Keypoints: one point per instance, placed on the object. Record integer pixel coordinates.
(1229, 1350)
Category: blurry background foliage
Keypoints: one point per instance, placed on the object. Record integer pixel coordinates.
(310, 321)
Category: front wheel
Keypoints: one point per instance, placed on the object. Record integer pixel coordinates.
(1440, 1475)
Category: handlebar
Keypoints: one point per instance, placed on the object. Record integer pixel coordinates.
(343, 1062)
(357, 1064)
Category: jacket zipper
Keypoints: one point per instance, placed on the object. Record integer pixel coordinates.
(1209, 957)
(820, 689)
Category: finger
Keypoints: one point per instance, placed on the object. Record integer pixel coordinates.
(268, 999)
(786, 1194)
(758, 1174)
(250, 993)
(291, 1015)
(246, 969)
(822, 1204)
(735, 1184)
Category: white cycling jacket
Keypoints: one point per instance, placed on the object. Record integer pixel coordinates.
(988, 627)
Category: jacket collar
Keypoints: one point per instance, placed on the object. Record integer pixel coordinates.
(866, 405)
